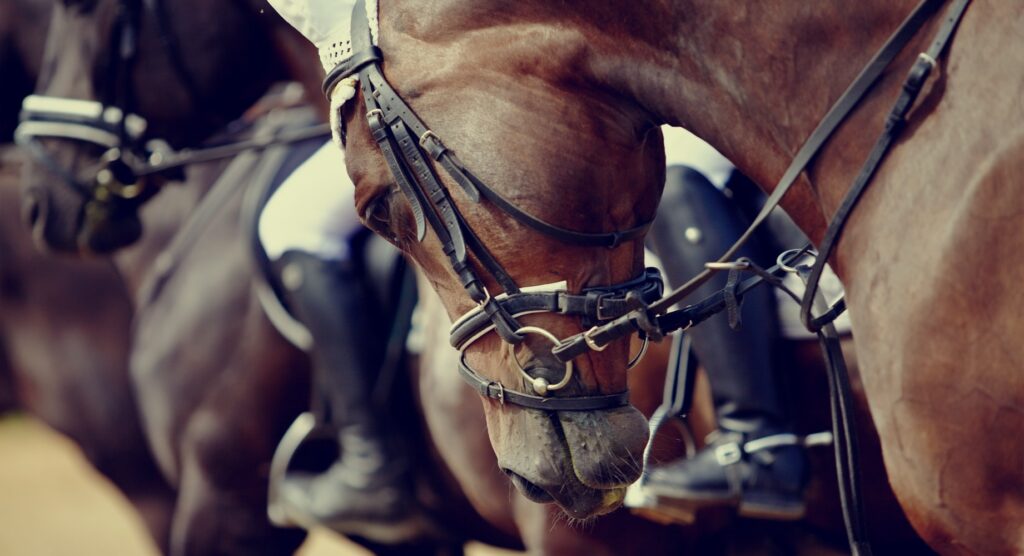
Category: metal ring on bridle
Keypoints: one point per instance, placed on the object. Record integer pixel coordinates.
(540, 384)
(780, 260)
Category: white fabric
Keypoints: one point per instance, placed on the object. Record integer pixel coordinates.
(313, 210)
(683, 147)
(328, 25)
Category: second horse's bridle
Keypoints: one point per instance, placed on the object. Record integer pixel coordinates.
(108, 123)
(129, 154)
(408, 145)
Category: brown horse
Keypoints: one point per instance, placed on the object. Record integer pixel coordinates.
(193, 439)
(200, 404)
(68, 356)
(557, 105)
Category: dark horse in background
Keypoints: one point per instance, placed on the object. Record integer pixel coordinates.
(64, 355)
(558, 105)
(210, 456)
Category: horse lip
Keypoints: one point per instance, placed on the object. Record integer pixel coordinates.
(531, 491)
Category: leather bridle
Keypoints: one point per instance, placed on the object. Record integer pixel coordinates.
(399, 132)
(129, 153)
(409, 146)
(108, 124)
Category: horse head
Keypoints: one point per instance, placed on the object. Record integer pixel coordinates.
(124, 82)
(575, 168)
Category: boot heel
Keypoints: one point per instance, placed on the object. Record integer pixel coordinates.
(771, 506)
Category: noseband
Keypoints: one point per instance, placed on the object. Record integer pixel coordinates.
(407, 144)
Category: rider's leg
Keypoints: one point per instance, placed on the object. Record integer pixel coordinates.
(309, 229)
(696, 224)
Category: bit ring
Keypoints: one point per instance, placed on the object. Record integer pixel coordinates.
(540, 384)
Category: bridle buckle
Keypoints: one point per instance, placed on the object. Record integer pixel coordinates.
(588, 337)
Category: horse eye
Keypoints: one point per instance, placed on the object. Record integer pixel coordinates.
(378, 217)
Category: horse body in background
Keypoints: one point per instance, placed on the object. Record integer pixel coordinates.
(558, 106)
(65, 355)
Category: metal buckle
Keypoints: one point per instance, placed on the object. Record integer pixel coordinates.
(598, 307)
(501, 391)
(486, 299)
(427, 136)
(926, 58)
(643, 351)
(588, 338)
(728, 454)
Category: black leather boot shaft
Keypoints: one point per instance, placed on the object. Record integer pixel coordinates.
(349, 335)
(371, 485)
(696, 224)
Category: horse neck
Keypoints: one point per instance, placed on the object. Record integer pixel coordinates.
(754, 79)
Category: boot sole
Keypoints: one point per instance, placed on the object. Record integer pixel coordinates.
(697, 498)
(752, 506)
(777, 511)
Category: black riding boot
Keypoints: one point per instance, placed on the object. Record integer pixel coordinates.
(370, 483)
(696, 224)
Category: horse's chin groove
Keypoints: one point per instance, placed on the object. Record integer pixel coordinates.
(549, 475)
(529, 490)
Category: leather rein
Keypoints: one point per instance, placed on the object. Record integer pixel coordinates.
(406, 142)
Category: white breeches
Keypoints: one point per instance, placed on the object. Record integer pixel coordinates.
(313, 210)
(683, 147)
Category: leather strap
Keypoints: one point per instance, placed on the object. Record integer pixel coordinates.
(495, 391)
(350, 66)
(595, 305)
(406, 144)
(835, 116)
(894, 124)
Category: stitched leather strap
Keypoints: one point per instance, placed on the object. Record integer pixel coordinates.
(894, 124)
